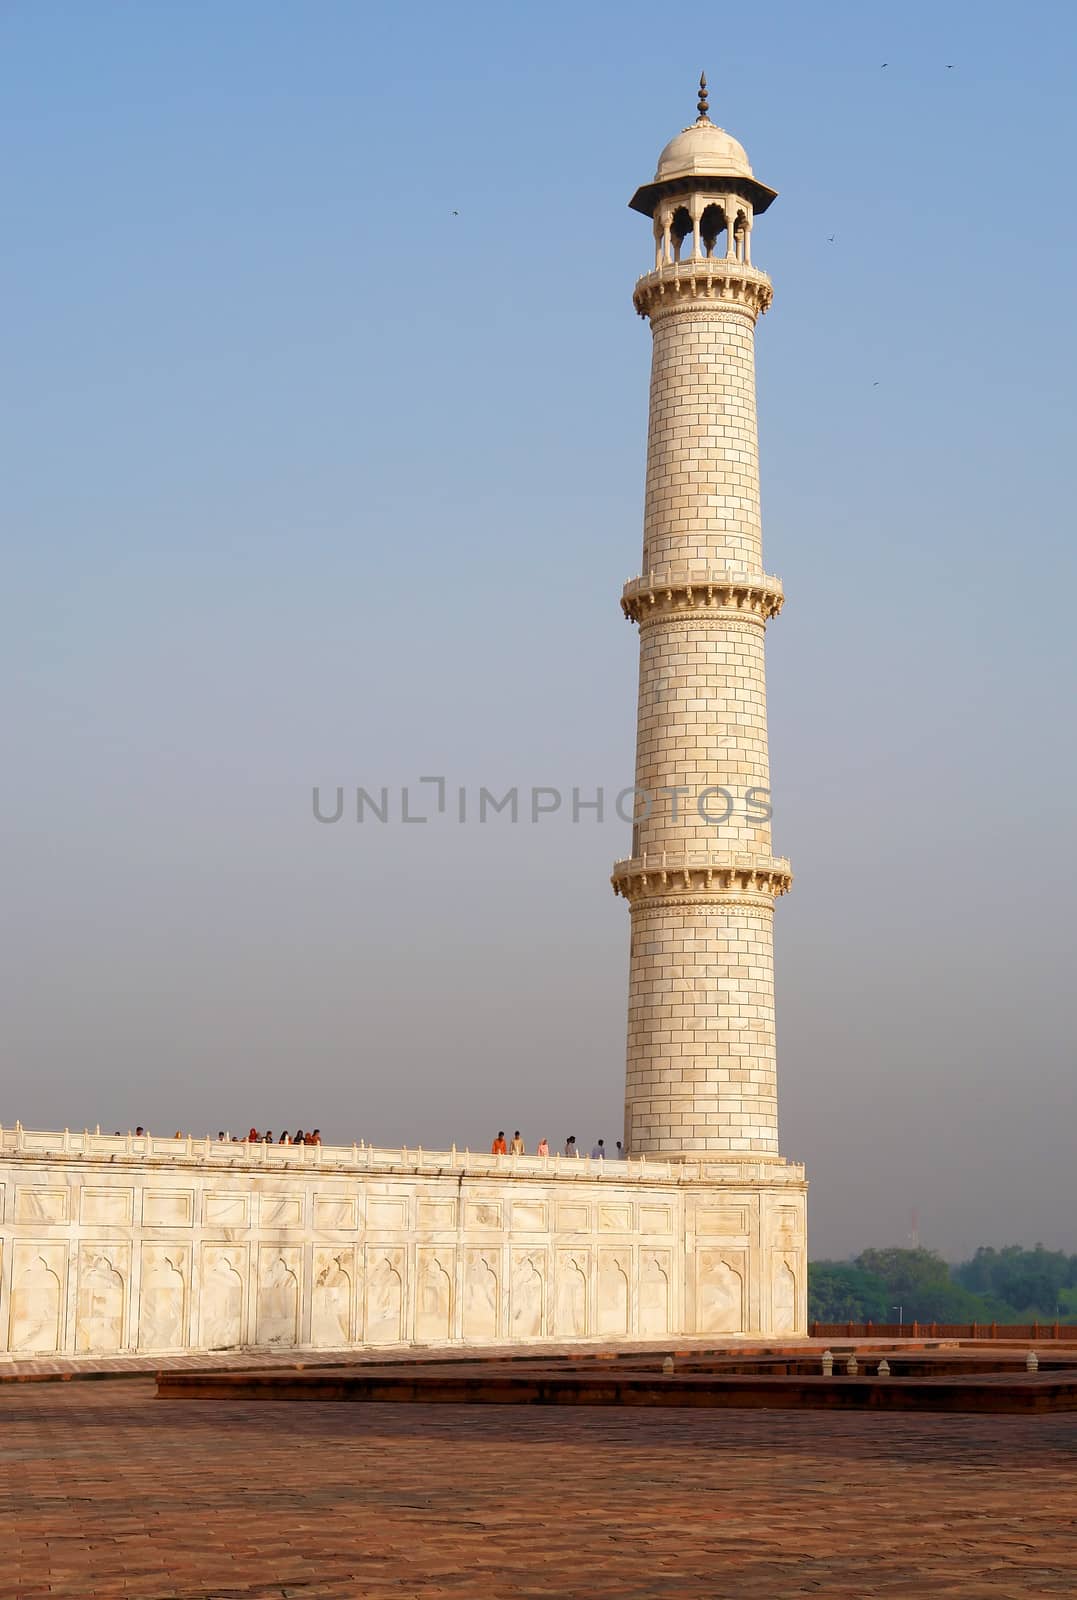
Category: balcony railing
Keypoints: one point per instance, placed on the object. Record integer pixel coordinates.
(701, 1167)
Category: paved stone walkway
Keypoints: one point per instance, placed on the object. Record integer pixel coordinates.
(99, 1366)
(106, 1491)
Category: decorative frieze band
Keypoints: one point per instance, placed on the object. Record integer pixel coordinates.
(670, 592)
(708, 622)
(693, 285)
(659, 905)
(709, 875)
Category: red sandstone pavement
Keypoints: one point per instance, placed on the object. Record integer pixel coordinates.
(107, 1491)
(43, 1368)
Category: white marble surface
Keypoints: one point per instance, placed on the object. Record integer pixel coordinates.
(160, 1245)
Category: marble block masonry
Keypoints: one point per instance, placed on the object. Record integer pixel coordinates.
(115, 1244)
(112, 1244)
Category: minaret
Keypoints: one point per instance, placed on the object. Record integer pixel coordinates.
(701, 880)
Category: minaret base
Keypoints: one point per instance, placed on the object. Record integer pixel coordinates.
(700, 1077)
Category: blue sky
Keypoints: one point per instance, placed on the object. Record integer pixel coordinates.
(322, 462)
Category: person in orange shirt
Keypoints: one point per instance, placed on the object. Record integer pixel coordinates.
(499, 1148)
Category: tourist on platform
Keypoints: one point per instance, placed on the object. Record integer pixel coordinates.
(543, 1146)
(599, 1151)
(140, 1133)
(570, 1145)
(299, 1137)
(516, 1148)
(315, 1137)
(285, 1138)
(267, 1137)
(499, 1148)
(252, 1137)
(222, 1137)
(621, 1152)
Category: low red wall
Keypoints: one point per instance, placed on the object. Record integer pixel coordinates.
(1066, 1332)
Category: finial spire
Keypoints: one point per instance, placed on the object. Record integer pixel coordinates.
(703, 98)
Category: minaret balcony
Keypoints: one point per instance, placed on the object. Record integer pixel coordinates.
(680, 590)
(682, 283)
(720, 874)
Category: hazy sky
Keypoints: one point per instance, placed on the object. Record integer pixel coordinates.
(307, 479)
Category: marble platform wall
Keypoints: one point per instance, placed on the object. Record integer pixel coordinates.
(157, 1249)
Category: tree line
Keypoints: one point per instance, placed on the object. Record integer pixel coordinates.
(1008, 1285)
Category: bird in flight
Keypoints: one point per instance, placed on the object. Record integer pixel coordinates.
(884, 64)
(456, 213)
(831, 237)
(950, 66)
(875, 386)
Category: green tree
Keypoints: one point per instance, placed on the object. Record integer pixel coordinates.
(1011, 1284)
(1025, 1284)
(919, 1282)
(839, 1291)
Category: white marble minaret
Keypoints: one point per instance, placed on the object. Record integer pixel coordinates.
(702, 877)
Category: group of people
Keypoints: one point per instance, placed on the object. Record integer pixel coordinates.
(518, 1148)
(254, 1137)
(500, 1146)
